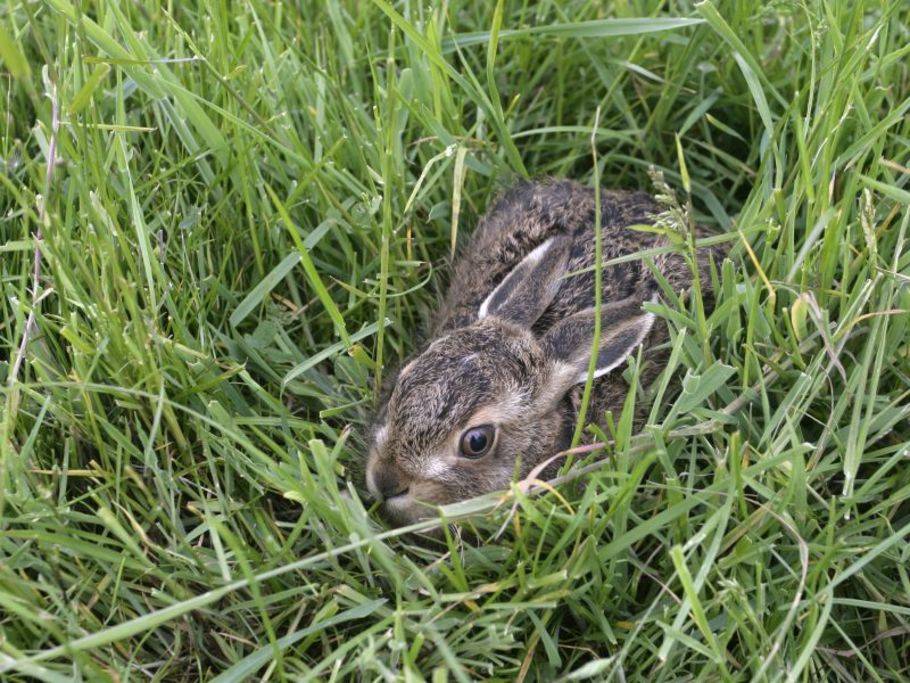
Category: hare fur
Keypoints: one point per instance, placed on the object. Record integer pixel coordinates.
(495, 391)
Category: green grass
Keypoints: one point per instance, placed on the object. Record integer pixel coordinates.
(249, 216)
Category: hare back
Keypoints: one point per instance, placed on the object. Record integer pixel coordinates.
(532, 212)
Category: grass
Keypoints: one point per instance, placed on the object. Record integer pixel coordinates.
(249, 212)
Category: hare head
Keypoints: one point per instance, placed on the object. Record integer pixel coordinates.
(486, 403)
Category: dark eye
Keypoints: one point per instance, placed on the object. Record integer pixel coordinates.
(477, 441)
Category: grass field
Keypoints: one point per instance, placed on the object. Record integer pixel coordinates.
(244, 212)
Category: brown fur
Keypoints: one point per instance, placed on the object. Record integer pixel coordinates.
(517, 367)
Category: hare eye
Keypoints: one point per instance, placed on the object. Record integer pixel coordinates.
(477, 441)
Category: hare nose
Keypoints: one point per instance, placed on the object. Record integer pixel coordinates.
(389, 483)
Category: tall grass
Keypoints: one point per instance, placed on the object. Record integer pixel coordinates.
(247, 215)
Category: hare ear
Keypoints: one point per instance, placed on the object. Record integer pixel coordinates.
(526, 292)
(624, 326)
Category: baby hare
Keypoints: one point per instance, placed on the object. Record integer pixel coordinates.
(496, 390)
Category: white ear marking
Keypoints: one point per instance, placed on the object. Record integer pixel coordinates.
(482, 311)
(639, 339)
(538, 252)
(371, 480)
(532, 259)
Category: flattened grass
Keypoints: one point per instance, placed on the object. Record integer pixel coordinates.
(249, 213)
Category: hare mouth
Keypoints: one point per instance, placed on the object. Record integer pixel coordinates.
(404, 509)
(399, 502)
